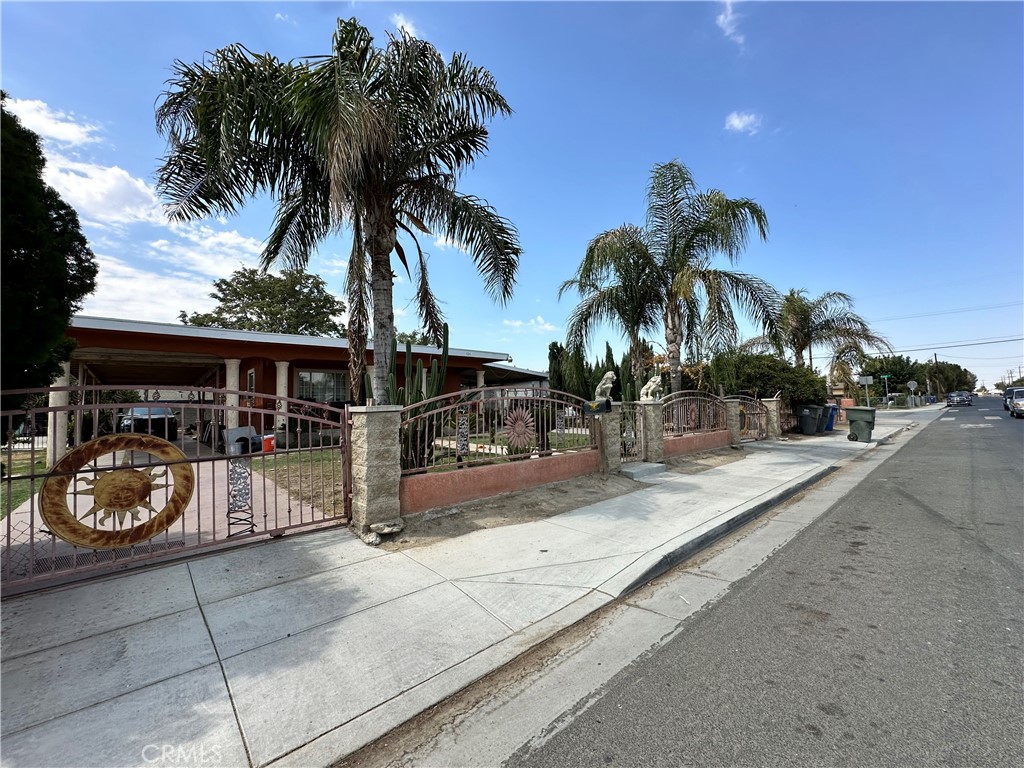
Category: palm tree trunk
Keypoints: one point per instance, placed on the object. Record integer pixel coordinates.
(673, 347)
(381, 235)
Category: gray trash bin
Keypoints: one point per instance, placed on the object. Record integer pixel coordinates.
(823, 415)
(862, 421)
(808, 416)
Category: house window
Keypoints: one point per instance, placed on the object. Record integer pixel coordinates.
(323, 386)
(250, 380)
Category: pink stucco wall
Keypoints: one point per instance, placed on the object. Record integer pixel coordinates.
(704, 441)
(419, 493)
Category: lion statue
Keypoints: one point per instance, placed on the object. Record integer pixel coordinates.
(652, 389)
(604, 389)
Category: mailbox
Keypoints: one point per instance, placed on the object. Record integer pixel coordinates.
(597, 407)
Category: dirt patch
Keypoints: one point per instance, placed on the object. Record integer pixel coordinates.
(538, 503)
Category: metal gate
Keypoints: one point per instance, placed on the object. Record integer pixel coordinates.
(631, 428)
(139, 476)
(753, 417)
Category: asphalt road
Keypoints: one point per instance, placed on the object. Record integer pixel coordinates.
(888, 633)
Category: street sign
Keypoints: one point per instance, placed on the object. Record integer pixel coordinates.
(911, 385)
(865, 380)
(886, 375)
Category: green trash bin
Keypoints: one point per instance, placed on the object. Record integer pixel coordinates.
(808, 416)
(862, 421)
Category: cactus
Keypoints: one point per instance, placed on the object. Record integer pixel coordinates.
(417, 449)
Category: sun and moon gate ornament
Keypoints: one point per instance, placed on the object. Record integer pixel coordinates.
(120, 511)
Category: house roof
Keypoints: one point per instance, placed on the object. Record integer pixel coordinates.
(119, 351)
(257, 337)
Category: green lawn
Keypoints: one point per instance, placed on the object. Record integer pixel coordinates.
(19, 490)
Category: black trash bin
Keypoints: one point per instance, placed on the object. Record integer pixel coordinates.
(808, 416)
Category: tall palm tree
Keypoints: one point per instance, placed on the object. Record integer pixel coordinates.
(826, 321)
(669, 266)
(370, 138)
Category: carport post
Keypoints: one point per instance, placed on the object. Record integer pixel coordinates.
(57, 420)
(282, 394)
(231, 398)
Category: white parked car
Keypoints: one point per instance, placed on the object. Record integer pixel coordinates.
(1017, 405)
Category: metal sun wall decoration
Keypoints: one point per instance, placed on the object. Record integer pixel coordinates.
(519, 428)
(120, 493)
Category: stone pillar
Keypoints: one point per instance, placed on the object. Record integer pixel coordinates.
(376, 470)
(480, 379)
(57, 421)
(652, 415)
(231, 400)
(774, 406)
(732, 420)
(609, 426)
(282, 392)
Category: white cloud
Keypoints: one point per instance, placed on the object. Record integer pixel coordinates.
(52, 124)
(104, 195)
(403, 24)
(126, 291)
(199, 249)
(536, 325)
(280, 17)
(727, 21)
(743, 122)
(443, 243)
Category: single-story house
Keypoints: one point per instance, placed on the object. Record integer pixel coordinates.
(113, 352)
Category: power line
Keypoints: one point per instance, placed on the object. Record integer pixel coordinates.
(950, 345)
(950, 312)
(953, 346)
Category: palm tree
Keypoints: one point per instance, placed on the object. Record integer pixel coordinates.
(666, 269)
(828, 321)
(617, 283)
(366, 137)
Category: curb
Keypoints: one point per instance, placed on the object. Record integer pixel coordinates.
(671, 559)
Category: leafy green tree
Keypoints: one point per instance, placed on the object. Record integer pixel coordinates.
(372, 138)
(294, 302)
(950, 377)
(900, 369)
(416, 338)
(48, 268)
(826, 321)
(765, 375)
(663, 274)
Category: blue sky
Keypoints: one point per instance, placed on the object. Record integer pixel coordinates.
(885, 142)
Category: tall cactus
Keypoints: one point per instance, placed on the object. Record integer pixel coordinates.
(417, 439)
(412, 393)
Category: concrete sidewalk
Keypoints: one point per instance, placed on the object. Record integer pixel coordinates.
(302, 650)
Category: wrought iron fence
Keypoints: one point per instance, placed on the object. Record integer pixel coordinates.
(787, 419)
(753, 415)
(491, 425)
(631, 427)
(142, 474)
(690, 411)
